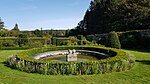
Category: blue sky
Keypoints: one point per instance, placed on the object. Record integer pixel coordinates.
(34, 14)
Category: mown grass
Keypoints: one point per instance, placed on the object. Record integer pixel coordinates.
(139, 74)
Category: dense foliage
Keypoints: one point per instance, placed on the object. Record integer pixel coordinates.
(60, 41)
(135, 39)
(71, 40)
(120, 61)
(128, 39)
(113, 40)
(23, 42)
(104, 16)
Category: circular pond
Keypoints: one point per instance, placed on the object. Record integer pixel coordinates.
(62, 56)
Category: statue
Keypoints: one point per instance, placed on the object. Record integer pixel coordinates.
(70, 52)
(71, 56)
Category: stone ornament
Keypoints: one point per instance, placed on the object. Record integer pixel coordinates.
(71, 56)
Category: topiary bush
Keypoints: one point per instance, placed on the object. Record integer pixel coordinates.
(113, 40)
(119, 61)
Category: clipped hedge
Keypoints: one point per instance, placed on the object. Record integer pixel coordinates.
(119, 61)
(12, 42)
(60, 41)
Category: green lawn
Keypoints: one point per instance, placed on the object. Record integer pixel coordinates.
(140, 74)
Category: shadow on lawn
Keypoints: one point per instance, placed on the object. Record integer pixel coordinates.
(147, 50)
(147, 62)
(6, 65)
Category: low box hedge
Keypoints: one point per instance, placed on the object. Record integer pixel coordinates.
(119, 61)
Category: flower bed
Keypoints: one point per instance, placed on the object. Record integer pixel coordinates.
(119, 61)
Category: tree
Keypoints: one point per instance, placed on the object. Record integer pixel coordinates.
(113, 40)
(38, 33)
(16, 28)
(81, 28)
(1, 24)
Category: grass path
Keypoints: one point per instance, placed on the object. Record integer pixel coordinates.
(140, 74)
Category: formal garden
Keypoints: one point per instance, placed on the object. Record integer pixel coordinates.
(138, 74)
(111, 45)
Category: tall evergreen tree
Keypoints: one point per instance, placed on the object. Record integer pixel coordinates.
(1, 24)
(16, 28)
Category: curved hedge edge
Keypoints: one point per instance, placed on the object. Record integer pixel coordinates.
(122, 61)
(14, 48)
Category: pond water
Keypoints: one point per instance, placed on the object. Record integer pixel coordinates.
(64, 60)
(80, 58)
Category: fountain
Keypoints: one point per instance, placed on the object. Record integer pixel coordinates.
(70, 56)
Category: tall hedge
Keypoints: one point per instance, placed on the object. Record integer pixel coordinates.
(15, 42)
(60, 41)
(8, 42)
(135, 39)
(113, 40)
(128, 39)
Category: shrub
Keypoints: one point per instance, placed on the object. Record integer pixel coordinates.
(80, 37)
(13, 42)
(119, 61)
(60, 41)
(113, 40)
(42, 40)
(8, 43)
(102, 40)
(22, 40)
(35, 44)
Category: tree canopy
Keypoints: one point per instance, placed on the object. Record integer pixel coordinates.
(104, 16)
